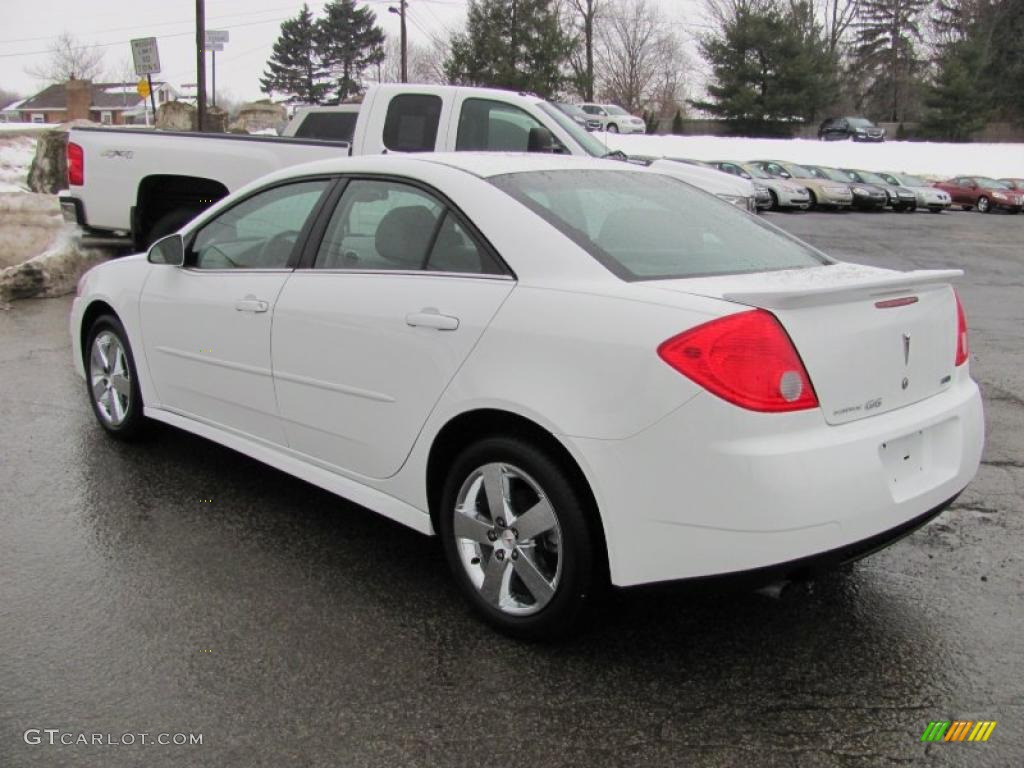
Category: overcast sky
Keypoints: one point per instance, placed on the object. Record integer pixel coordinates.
(253, 26)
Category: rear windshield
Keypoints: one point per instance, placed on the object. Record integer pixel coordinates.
(330, 126)
(646, 226)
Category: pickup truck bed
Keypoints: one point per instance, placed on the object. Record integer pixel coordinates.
(152, 182)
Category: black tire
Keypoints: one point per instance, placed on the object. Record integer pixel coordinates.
(613, 128)
(935, 210)
(984, 205)
(814, 200)
(578, 579)
(170, 222)
(133, 423)
(775, 201)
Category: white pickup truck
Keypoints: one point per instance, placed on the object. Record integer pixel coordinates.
(128, 187)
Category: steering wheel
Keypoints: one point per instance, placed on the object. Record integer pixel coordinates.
(269, 251)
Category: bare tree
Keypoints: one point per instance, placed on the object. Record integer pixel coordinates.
(425, 62)
(69, 59)
(584, 15)
(836, 16)
(639, 60)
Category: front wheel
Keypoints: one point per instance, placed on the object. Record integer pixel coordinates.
(613, 128)
(111, 380)
(983, 205)
(517, 536)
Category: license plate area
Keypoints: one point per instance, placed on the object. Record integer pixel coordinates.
(904, 458)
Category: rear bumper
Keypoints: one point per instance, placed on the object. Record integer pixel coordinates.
(713, 489)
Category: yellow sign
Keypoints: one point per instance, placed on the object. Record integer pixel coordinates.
(143, 88)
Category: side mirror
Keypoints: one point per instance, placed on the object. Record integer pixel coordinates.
(540, 140)
(168, 250)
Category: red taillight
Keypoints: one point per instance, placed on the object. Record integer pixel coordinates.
(747, 359)
(961, 332)
(76, 165)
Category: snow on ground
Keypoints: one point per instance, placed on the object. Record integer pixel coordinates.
(937, 160)
(16, 153)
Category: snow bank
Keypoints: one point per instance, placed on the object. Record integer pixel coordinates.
(919, 157)
(23, 127)
(54, 272)
(16, 153)
(39, 254)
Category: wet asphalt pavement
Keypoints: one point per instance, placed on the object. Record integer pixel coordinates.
(176, 587)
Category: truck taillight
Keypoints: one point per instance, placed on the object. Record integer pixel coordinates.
(747, 359)
(961, 332)
(76, 165)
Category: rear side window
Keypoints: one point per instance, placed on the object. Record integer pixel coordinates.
(646, 226)
(411, 122)
(328, 126)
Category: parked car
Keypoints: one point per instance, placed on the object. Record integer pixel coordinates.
(983, 193)
(615, 119)
(1017, 184)
(738, 192)
(856, 128)
(900, 198)
(762, 196)
(782, 193)
(866, 197)
(935, 200)
(571, 370)
(824, 193)
(579, 116)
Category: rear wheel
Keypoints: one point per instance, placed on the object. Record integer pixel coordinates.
(111, 380)
(983, 205)
(518, 538)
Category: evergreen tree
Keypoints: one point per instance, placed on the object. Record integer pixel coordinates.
(295, 68)
(960, 105)
(514, 44)
(769, 67)
(350, 41)
(885, 55)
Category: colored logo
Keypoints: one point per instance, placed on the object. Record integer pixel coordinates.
(958, 730)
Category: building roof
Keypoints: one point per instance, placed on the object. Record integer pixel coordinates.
(104, 96)
(13, 105)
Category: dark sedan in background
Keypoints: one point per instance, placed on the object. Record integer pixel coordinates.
(900, 198)
(856, 128)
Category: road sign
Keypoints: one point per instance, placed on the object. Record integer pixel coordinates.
(146, 56)
(218, 47)
(216, 36)
(143, 88)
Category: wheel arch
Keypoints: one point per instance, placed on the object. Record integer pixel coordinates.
(159, 194)
(469, 426)
(96, 309)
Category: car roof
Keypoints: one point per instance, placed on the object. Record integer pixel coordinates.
(481, 164)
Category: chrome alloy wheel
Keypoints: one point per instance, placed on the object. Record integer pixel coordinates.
(508, 539)
(109, 378)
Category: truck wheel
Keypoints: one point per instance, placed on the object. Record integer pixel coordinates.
(168, 223)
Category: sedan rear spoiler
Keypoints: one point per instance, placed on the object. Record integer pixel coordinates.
(870, 286)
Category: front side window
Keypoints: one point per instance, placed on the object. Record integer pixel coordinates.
(493, 126)
(260, 232)
(411, 122)
(646, 226)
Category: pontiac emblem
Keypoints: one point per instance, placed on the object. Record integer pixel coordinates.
(906, 349)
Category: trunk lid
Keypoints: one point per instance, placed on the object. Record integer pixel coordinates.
(872, 340)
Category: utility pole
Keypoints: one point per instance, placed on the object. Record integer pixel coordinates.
(400, 10)
(200, 64)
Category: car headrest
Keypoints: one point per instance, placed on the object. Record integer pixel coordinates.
(403, 235)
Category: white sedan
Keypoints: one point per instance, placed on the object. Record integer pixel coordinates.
(576, 372)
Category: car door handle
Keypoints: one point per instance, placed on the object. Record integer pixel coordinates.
(431, 318)
(251, 304)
